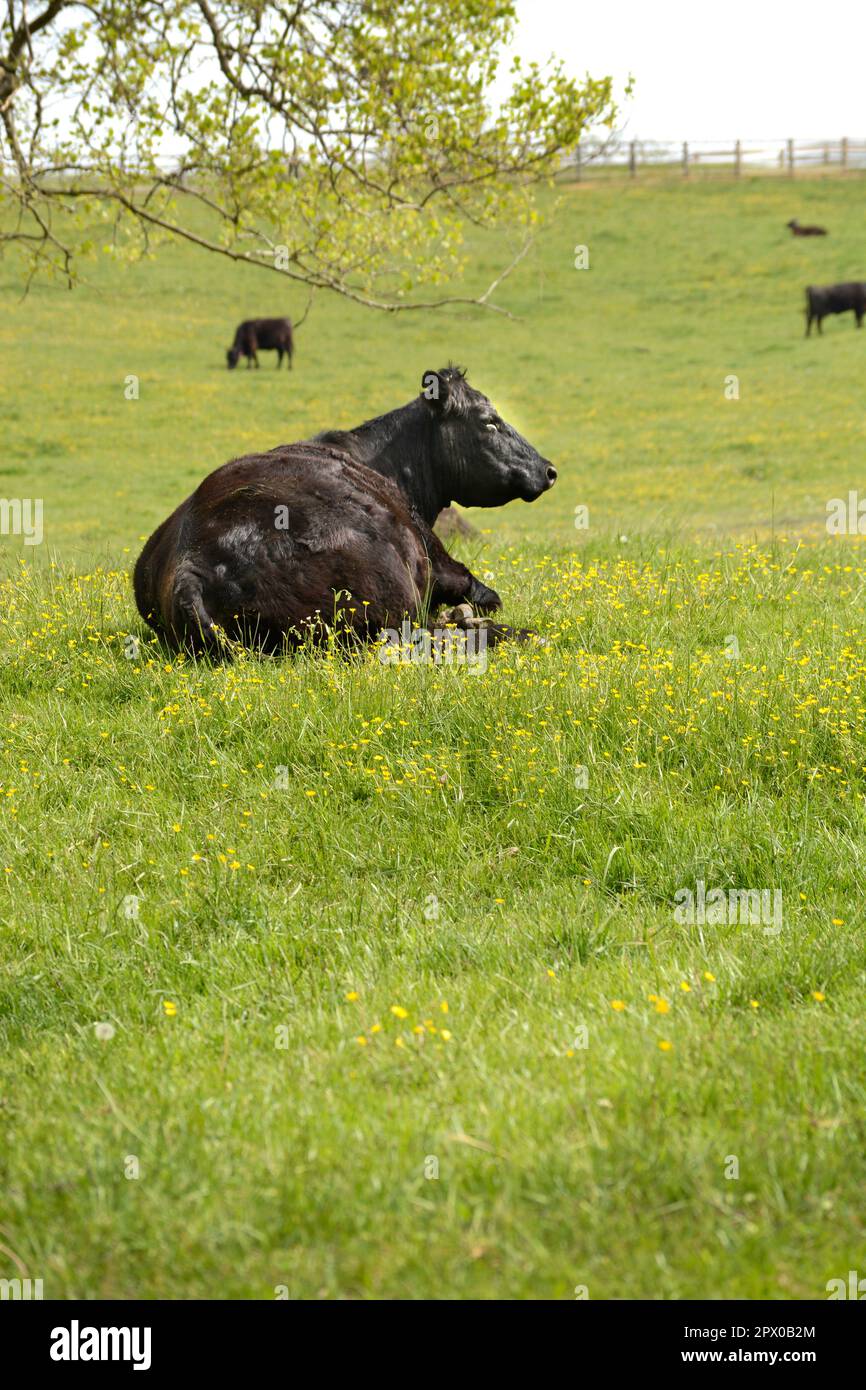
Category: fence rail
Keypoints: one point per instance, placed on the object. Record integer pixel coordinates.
(623, 156)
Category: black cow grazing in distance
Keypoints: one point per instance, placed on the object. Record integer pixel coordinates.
(274, 548)
(822, 300)
(797, 230)
(253, 334)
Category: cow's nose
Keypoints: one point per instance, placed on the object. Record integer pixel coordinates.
(551, 475)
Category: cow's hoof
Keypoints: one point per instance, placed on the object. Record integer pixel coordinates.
(460, 614)
(485, 600)
(499, 632)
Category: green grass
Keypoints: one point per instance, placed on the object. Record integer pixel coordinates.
(255, 845)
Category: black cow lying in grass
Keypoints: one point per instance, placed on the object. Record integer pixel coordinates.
(822, 300)
(797, 230)
(336, 532)
(253, 334)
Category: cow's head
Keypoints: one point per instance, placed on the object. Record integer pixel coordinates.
(232, 356)
(482, 460)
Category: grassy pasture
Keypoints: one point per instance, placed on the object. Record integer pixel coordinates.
(397, 1006)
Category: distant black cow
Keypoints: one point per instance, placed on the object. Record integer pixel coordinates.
(336, 531)
(822, 300)
(253, 334)
(797, 230)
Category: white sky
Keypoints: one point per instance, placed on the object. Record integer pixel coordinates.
(714, 69)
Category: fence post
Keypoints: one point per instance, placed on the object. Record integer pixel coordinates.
(791, 158)
(577, 162)
(844, 151)
(738, 159)
(685, 159)
(632, 158)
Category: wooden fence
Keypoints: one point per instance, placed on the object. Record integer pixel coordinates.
(624, 157)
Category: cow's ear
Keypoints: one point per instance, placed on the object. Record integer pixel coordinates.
(435, 390)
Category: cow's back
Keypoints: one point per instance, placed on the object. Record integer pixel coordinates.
(269, 541)
(267, 333)
(264, 333)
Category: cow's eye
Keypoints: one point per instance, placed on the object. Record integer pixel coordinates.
(491, 426)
